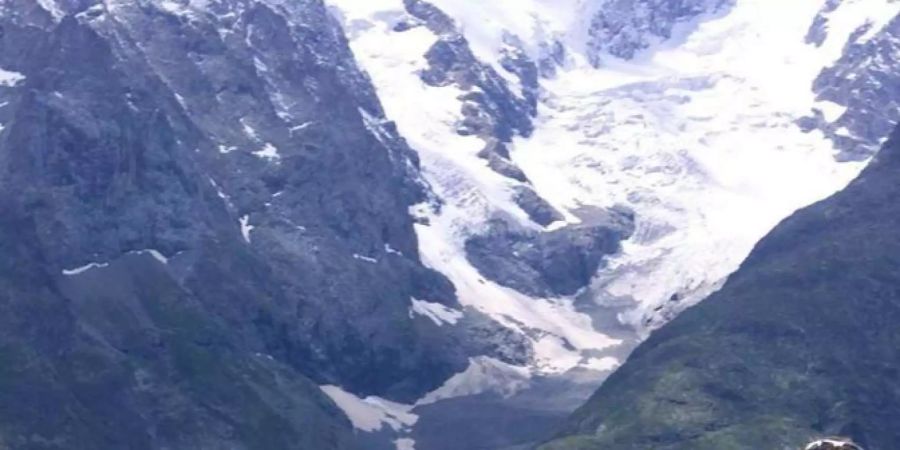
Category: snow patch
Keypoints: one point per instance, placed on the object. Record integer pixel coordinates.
(391, 250)
(472, 192)
(371, 413)
(249, 131)
(84, 268)
(830, 111)
(605, 364)
(154, 253)
(364, 258)
(51, 7)
(700, 140)
(9, 78)
(246, 228)
(483, 375)
(438, 313)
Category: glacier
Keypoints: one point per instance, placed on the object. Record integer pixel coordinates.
(698, 134)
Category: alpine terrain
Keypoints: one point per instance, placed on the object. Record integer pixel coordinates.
(429, 225)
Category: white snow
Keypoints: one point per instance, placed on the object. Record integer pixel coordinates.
(84, 268)
(249, 131)
(483, 375)
(52, 7)
(438, 313)
(364, 258)
(405, 444)
(371, 413)
(269, 152)
(9, 78)
(836, 443)
(830, 111)
(246, 228)
(301, 127)
(154, 253)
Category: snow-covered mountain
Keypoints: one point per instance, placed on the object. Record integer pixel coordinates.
(691, 128)
(455, 217)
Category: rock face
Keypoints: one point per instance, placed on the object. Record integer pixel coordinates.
(864, 76)
(801, 341)
(548, 264)
(203, 209)
(622, 28)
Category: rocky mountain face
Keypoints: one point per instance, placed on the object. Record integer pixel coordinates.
(204, 209)
(862, 77)
(624, 28)
(800, 342)
(337, 223)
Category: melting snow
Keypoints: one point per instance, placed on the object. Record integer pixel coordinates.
(483, 375)
(9, 78)
(154, 253)
(246, 228)
(51, 7)
(364, 258)
(249, 131)
(836, 443)
(269, 152)
(371, 413)
(301, 127)
(438, 313)
(84, 268)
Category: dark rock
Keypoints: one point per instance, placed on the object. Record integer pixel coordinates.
(538, 210)
(553, 263)
(623, 28)
(139, 127)
(864, 81)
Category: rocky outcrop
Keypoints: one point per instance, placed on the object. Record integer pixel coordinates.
(863, 81)
(547, 264)
(623, 28)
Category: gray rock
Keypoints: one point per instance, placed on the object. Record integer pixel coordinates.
(623, 28)
(139, 126)
(864, 81)
(554, 263)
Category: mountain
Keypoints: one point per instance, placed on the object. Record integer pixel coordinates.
(800, 342)
(544, 126)
(342, 223)
(204, 217)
